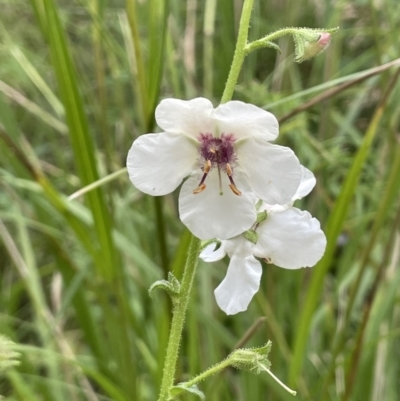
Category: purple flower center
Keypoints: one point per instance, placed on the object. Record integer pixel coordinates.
(217, 153)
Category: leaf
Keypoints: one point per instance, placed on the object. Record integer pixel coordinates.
(172, 286)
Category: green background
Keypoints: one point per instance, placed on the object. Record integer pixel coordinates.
(79, 81)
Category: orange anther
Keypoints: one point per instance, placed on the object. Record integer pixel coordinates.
(235, 190)
(199, 189)
(228, 169)
(207, 166)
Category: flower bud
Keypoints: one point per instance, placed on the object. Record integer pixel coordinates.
(255, 360)
(312, 49)
(251, 359)
(309, 43)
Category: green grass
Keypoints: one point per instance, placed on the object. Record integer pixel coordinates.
(79, 81)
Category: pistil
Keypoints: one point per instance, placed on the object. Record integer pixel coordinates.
(221, 192)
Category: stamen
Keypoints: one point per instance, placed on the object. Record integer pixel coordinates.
(232, 185)
(207, 166)
(202, 186)
(228, 169)
(199, 189)
(217, 152)
(235, 190)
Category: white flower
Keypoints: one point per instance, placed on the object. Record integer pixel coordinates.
(289, 238)
(226, 154)
(307, 183)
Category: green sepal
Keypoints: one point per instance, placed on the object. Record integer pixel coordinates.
(204, 244)
(180, 388)
(251, 236)
(261, 43)
(262, 216)
(253, 360)
(273, 45)
(172, 286)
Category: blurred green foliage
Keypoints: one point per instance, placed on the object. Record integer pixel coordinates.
(79, 81)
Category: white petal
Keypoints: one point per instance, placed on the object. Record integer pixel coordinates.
(238, 246)
(273, 171)
(274, 208)
(188, 117)
(157, 163)
(211, 215)
(244, 120)
(209, 254)
(307, 184)
(241, 282)
(290, 239)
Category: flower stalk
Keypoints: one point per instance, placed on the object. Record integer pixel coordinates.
(209, 372)
(240, 51)
(179, 319)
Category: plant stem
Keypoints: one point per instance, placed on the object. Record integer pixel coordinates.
(179, 318)
(194, 247)
(240, 51)
(272, 36)
(209, 372)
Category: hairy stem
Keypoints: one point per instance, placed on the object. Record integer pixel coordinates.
(179, 319)
(240, 51)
